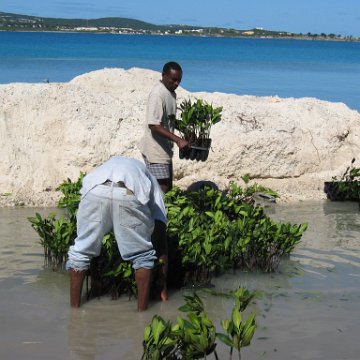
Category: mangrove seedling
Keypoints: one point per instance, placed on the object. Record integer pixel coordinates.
(346, 187)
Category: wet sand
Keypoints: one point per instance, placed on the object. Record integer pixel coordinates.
(309, 310)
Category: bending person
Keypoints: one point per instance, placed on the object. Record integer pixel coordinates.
(120, 195)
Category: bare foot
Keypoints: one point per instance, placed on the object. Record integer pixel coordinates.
(164, 295)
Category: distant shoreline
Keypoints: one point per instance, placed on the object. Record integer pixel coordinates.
(120, 25)
(297, 38)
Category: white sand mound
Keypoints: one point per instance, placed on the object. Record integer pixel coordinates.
(50, 132)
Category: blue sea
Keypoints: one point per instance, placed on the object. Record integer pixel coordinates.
(287, 68)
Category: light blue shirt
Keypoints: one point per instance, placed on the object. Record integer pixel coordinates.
(136, 178)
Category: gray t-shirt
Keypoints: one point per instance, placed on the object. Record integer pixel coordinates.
(161, 104)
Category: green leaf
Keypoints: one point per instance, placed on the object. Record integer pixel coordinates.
(225, 324)
(246, 178)
(157, 328)
(147, 333)
(236, 318)
(225, 339)
(236, 342)
(248, 335)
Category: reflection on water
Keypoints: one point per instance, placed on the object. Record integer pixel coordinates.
(307, 311)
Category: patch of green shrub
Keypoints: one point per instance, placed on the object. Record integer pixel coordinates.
(195, 337)
(56, 236)
(213, 231)
(345, 187)
(209, 231)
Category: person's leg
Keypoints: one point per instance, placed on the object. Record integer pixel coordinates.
(76, 283)
(159, 241)
(165, 184)
(133, 227)
(143, 281)
(164, 176)
(92, 224)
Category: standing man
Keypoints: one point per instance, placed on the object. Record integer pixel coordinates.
(120, 195)
(157, 143)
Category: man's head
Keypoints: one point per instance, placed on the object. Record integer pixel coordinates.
(171, 75)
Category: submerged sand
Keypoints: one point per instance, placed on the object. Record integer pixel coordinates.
(308, 311)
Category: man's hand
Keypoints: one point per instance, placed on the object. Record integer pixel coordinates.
(182, 144)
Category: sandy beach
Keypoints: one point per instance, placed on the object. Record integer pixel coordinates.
(51, 132)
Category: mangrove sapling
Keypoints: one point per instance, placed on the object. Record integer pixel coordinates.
(195, 337)
(191, 338)
(249, 191)
(194, 125)
(71, 196)
(56, 235)
(252, 238)
(347, 187)
(269, 242)
(193, 303)
(239, 333)
(201, 243)
(213, 232)
(243, 297)
(159, 341)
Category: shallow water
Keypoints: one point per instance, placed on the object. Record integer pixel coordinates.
(309, 310)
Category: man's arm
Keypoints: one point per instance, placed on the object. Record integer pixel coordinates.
(159, 129)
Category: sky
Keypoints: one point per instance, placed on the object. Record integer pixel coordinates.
(298, 16)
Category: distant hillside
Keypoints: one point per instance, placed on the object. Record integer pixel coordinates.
(116, 25)
(8, 20)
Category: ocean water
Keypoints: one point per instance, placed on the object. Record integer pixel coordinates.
(286, 68)
(308, 310)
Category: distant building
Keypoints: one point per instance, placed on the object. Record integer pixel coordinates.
(82, 28)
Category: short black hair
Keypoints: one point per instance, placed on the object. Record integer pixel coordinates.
(171, 65)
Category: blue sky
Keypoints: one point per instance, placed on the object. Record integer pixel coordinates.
(301, 16)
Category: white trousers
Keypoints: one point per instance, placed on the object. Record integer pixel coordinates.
(106, 208)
